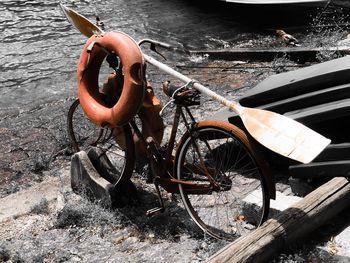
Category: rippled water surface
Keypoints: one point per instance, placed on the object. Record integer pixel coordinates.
(39, 49)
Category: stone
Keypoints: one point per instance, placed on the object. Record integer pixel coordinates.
(87, 181)
(91, 176)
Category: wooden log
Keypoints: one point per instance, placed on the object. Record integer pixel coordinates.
(299, 54)
(289, 226)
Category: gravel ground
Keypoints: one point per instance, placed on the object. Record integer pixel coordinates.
(68, 228)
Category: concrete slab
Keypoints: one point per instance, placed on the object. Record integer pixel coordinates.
(20, 203)
(343, 242)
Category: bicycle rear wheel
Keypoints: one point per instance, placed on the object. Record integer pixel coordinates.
(241, 202)
(116, 144)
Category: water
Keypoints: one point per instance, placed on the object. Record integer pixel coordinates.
(39, 49)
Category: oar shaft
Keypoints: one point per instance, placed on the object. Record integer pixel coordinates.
(233, 106)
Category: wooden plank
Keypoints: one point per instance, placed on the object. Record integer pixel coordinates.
(289, 226)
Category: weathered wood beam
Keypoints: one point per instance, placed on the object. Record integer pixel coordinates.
(289, 226)
(300, 54)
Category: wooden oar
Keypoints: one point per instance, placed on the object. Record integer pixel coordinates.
(84, 25)
(276, 132)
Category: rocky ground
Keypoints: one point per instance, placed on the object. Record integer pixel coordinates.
(42, 220)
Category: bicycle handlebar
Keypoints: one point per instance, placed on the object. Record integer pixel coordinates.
(155, 42)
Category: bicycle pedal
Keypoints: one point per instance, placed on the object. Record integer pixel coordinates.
(155, 211)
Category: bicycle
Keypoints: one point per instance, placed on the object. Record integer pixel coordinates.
(215, 167)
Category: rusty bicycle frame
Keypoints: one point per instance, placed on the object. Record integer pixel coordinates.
(162, 163)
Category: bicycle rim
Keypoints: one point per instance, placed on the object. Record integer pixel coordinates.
(242, 202)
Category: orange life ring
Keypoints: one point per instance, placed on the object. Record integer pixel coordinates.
(131, 98)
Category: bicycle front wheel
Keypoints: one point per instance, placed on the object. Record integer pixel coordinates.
(116, 145)
(240, 201)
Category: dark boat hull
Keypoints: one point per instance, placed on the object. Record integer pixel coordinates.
(317, 96)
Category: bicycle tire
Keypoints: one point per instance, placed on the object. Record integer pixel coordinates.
(83, 135)
(236, 165)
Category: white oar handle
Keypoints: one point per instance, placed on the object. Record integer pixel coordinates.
(232, 105)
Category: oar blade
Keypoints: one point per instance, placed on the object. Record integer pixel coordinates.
(84, 25)
(283, 135)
